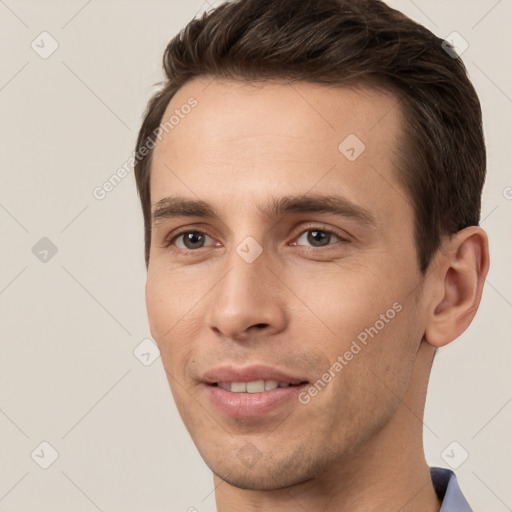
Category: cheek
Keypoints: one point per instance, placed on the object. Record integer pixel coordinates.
(160, 307)
(372, 377)
(342, 302)
(171, 320)
(169, 308)
(388, 346)
(364, 320)
(172, 296)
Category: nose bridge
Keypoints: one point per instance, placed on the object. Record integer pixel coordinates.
(248, 295)
(248, 273)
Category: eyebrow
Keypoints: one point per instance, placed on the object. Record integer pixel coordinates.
(178, 206)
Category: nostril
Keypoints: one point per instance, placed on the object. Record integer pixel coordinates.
(261, 326)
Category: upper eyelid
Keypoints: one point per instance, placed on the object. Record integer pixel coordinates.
(298, 230)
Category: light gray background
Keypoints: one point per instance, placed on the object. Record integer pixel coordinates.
(69, 326)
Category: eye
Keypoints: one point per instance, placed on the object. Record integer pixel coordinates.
(190, 240)
(318, 237)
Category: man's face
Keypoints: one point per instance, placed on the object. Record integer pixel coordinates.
(249, 296)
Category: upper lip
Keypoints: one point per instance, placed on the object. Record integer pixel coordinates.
(248, 374)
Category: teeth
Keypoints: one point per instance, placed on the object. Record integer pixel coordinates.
(238, 387)
(271, 384)
(255, 386)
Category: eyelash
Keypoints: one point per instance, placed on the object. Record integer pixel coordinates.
(170, 240)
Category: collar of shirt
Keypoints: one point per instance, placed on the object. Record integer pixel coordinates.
(448, 490)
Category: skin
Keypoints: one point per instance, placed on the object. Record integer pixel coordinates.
(357, 445)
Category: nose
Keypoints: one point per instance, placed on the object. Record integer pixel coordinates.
(248, 301)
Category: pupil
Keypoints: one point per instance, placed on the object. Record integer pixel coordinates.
(318, 236)
(192, 240)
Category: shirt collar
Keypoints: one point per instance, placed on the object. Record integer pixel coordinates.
(447, 488)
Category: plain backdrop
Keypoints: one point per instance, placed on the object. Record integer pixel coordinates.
(73, 373)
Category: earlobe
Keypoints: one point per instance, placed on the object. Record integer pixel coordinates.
(463, 263)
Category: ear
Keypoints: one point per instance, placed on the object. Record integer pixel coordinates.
(456, 283)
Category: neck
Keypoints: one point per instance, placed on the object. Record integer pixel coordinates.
(389, 473)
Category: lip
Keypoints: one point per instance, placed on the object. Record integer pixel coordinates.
(250, 405)
(249, 373)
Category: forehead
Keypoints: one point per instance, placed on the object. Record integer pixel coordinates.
(270, 137)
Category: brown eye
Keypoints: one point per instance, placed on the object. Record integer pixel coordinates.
(191, 240)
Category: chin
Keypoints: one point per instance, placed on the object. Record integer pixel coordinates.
(247, 469)
(259, 481)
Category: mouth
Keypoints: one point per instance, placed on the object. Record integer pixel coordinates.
(255, 386)
(252, 391)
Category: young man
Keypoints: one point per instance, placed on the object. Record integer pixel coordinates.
(310, 177)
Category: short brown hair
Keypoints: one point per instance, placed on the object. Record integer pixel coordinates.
(443, 158)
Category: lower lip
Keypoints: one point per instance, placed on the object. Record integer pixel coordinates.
(248, 405)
